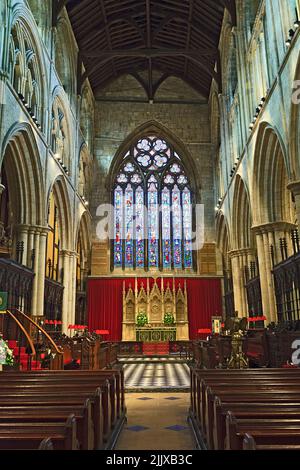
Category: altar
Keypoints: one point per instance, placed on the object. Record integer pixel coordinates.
(156, 311)
(156, 334)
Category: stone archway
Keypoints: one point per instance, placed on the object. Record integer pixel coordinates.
(66, 262)
(24, 223)
(242, 253)
(273, 211)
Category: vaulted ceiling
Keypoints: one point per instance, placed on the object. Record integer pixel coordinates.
(175, 37)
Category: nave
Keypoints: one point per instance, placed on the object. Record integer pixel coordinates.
(149, 224)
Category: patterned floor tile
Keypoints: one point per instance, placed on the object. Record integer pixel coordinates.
(176, 427)
(147, 376)
(137, 428)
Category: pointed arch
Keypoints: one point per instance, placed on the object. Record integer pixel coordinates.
(32, 59)
(61, 132)
(153, 198)
(223, 234)
(241, 216)
(271, 198)
(60, 192)
(155, 128)
(21, 157)
(84, 172)
(294, 137)
(83, 229)
(64, 59)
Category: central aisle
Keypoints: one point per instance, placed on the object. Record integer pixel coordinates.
(157, 421)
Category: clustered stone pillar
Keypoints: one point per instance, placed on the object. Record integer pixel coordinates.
(268, 235)
(239, 260)
(69, 263)
(38, 238)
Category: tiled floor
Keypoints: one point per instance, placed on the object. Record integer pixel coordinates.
(154, 375)
(156, 421)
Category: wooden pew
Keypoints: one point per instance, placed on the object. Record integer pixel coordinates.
(198, 374)
(235, 387)
(44, 414)
(245, 396)
(116, 378)
(264, 432)
(29, 435)
(248, 411)
(56, 399)
(113, 403)
(61, 386)
(224, 376)
(250, 444)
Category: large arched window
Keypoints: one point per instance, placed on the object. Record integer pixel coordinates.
(152, 209)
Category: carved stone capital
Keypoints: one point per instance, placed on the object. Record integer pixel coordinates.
(294, 186)
(240, 252)
(279, 226)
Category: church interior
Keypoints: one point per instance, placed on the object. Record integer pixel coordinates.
(149, 225)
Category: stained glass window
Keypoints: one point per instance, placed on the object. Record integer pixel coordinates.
(129, 226)
(153, 234)
(139, 227)
(118, 226)
(187, 227)
(166, 228)
(152, 208)
(177, 228)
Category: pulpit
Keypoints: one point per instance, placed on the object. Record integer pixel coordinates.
(164, 309)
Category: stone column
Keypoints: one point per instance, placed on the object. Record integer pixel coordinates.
(263, 275)
(294, 187)
(266, 235)
(30, 246)
(65, 262)
(23, 237)
(41, 272)
(269, 277)
(35, 268)
(72, 290)
(238, 263)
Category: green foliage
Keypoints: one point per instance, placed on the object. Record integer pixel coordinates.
(141, 319)
(169, 319)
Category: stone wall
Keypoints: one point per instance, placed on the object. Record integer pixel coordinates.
(188, 120)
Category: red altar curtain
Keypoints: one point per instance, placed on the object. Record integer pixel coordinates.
(105, 302)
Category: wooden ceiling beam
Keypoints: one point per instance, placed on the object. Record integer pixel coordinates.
(206, 34)
(179, 36)
(149, 42)
(188, 37)
(159, 52)
(107, 33)
(95, 32)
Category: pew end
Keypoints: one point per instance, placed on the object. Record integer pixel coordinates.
(249, 442)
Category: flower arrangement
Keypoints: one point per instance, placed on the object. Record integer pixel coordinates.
(6, 354)
(141, 319)
(169, 319)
